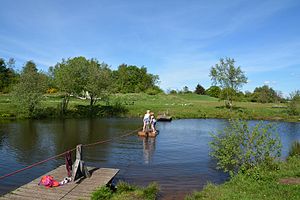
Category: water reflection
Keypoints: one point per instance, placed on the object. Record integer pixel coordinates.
(148, 149)
(178, 158)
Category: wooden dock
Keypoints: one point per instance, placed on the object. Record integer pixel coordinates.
(81, 189)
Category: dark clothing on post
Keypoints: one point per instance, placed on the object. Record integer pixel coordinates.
(69, 163)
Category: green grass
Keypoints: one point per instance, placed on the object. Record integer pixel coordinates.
(178, 106)
(259, 184)
(200, 106)
(7, 109)
(126, 191)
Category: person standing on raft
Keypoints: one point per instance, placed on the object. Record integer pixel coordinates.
(146, 120)
(153, 123)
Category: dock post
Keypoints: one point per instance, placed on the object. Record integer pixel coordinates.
(79, 168)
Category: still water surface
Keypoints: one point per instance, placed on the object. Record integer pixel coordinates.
(177, 158)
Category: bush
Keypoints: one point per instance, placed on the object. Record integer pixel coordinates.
(295, 149)
(266, 186)
(125, 187)
(103, 193)
(52, 90)
(153, 91)
(213, 91)
(125, 191)
(238, 148)
(151, 191)
(199, 89)
(173, 92)
(294, 104)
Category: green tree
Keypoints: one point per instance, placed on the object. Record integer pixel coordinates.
(248, 95)
(29, 91)
(78, 75)
(294, 103)
(213, 91)
(173, 92)
(227, 92)
(98, 81)
(185, 90)
(131, 79)
(67, 78)
(199, 89)
(228, 76)
(265, 94)
(240, 147)
(8, 76)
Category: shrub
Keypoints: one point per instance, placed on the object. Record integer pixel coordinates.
(151, 191)
(173, 92)
(103, 193)
(295, 149)
(238, 147)
(294, 104)
(153, 91)
(28, 93)
(268, 187)
(125, 191)
(51, 90)
(125, 187)
(199, 89)
(213, 91)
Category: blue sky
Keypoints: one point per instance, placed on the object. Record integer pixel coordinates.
(177, 40)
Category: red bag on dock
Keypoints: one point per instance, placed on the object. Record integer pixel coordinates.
(48, 181)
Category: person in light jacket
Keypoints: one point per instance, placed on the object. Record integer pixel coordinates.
(146, 120)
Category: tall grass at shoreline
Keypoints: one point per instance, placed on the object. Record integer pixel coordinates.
(125, 191)
(261, 184)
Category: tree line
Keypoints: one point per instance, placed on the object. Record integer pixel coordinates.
(78, 76)
(90, 79)
(227, 80)
(262, 94)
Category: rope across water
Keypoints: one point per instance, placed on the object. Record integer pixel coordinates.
(70, 150)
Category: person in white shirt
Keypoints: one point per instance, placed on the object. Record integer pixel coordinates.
(146, 120)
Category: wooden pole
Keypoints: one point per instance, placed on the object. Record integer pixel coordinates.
(79, 168)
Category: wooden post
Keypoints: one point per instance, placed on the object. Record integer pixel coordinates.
(79, 169)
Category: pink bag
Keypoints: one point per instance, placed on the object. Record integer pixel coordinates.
(48, 181)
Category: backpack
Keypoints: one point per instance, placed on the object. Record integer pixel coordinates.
(48, 181)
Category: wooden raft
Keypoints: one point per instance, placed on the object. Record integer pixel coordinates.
(81, 189)
(148, 133)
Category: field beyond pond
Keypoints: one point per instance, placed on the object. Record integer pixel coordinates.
(135, 104)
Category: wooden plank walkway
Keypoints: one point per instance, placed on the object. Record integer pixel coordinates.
(81, 189)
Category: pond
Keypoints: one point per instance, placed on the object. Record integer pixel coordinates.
(178, 158)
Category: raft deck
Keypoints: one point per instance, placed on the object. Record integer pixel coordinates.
(81, 189)
(148, 133)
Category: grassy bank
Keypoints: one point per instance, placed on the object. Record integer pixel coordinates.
(178, 106)
(125, 191)
(257, 184)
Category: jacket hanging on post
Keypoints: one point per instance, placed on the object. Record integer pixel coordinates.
(68, 159)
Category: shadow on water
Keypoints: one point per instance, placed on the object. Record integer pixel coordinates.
(178, 158)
